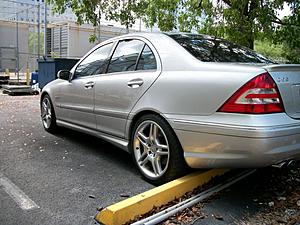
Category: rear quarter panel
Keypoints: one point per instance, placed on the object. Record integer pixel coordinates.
(200, 91)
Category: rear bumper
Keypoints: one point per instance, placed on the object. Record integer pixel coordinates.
(216, 145)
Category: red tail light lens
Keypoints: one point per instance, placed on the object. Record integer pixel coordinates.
(259, 96)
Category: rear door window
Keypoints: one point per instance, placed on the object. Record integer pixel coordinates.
(125, 56)
(147, 60)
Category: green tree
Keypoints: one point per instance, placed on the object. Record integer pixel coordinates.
(92, 11)
(269, 49)
(241, 21)
(289, 35)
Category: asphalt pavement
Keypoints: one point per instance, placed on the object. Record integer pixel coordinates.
(64, 178)
(68, 175)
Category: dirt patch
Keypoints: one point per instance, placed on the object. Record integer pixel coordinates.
(280, 199)
(274, 192)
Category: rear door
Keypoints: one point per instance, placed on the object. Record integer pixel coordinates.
(287, 78)
(133, 67)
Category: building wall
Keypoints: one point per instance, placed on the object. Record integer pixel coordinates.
(79, 41)
(8, 43)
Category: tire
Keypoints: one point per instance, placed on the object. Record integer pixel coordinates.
(159, 156)
(48, 114)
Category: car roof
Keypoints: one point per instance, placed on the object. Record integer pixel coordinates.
(164, 45)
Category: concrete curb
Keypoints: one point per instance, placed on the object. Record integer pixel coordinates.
(128, 209)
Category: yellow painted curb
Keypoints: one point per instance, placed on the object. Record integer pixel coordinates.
(128, 209)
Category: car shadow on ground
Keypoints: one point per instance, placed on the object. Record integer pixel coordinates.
(97, 146)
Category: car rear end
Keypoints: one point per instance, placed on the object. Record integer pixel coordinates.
(257, 125)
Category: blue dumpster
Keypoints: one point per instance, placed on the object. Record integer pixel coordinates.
(48, 68)
(34, 78)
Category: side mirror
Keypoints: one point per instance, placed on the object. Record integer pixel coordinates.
(64, 74)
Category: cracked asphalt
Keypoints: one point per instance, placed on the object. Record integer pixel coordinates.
(68, 175)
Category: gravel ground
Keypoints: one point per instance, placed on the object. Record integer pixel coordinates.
(279, 197)
(269, 196)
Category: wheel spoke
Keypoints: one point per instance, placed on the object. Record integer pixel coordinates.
(144, 161)
(143, 155)
(157, 165)
(44, 106)
(153, 133)
(160, 146)
(48, 104)
(142, 138)
(155, 170)
(160, 152)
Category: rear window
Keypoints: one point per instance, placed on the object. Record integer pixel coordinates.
(212, 49)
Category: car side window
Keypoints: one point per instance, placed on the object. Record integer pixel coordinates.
(147, 60)
(95, 63)
(125, 56)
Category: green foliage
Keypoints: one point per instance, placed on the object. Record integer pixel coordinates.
(91, 11)
(32, 42)
(241, 21)
(126, 12)
(92, 38)
(270, 50)
(289, 35)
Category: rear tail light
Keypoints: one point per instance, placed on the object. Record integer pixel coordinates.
(259, 96)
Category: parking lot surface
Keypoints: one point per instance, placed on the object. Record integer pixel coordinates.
(64, 178)
(67, 176)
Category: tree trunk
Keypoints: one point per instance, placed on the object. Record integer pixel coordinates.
(251, 41)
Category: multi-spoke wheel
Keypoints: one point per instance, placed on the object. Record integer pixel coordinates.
(48, 114)
(156, 150)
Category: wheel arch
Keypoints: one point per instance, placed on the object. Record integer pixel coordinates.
(138, 115)
(43, 95)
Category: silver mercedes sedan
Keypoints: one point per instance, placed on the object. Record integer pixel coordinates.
(176, 101)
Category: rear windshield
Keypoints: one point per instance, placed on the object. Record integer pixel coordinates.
(211, 49)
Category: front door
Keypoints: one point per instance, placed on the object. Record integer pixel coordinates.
(77, 96)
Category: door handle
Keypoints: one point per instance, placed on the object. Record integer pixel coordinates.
(135, 83)
(89, 85)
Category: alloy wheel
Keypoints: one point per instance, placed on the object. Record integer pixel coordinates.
(46, 113)
(151, 149)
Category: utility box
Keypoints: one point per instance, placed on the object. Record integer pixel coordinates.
(47, 69)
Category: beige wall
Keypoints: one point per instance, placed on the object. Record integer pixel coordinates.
(79, 42)
(8, 39)
(79, 37)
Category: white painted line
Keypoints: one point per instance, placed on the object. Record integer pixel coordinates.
(17, 194)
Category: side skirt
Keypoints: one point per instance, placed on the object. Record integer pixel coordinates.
(119, 142)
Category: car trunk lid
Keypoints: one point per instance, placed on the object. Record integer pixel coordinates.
(287, 78)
